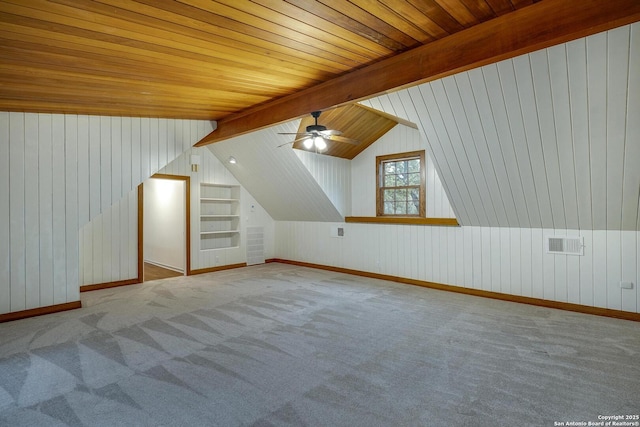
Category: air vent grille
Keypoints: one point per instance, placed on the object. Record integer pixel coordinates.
(566, 245)
(255, 245)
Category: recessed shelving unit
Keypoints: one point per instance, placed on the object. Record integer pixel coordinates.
(219, 216)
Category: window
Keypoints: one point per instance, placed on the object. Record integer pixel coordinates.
(401, 185)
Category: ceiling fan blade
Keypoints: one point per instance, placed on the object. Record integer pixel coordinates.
(295, 141)
(293, 133)
(344, 139)
(330, 132)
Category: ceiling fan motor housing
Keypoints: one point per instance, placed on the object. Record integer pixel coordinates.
(316, 128)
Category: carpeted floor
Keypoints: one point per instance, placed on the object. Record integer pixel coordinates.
(278, 345)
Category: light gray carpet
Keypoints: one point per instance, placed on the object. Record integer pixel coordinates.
(278, 345)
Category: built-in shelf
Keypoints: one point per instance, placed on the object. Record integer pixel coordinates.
(219, 216)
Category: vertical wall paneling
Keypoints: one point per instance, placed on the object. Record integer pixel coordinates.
(455, 150)
(614, 269)
(68, 291)
(560, 273)
(636, 284)
(477, 182)
(77, 130)
(479, 140)
(586, 269)
(154, 135)
(45, 208)
(596, 75)
(578, 100)
(434, 146)
(5, 219)
(94, 167)
(495, 282)
(117, 159)
(439, 141)
(515, 272)
(617, 84)
(125, 152)
(507, 160)
(573, 274)
(537, 262)
(548, 268)
(629, 270)
(544, 102)
(499, 259)
(540, 140)
(62, 172)
(562, 112)
(453, 130)
(531, 122)
(631, 183)
(136, 150)
(485, 267)
(31, 211)
(462, 275)
(526, 263)
(145, 149)
(162, 143)
(59, 273)
(106, 173)
(480, 89)
(599, 262)
(521, 163)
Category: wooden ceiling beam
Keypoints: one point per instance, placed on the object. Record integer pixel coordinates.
(543, 24)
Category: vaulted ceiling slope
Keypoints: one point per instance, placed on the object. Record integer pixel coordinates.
(549, 139)
(276, 177)
(203, 59)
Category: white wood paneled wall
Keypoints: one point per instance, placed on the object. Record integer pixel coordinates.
(109, 243)
(59, 172)
(400, 139)
(545, 140)
(211, 170)
(506, 260)
(276, 177)
(333, 174)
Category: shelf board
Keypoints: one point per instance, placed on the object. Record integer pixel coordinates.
(214, 199)
(210, 233)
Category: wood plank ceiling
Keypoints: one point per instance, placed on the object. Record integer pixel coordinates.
(202, 59)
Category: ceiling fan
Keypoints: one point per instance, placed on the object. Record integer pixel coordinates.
(317, 136)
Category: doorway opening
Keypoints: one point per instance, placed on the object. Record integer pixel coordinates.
(165, 241)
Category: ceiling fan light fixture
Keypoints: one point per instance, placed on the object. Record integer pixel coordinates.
(308, 143)
(320, 143)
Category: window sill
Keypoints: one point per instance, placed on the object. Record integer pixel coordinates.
(403, 220)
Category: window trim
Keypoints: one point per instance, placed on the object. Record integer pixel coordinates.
(379, 197)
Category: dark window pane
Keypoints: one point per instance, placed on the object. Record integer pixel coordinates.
(389, 195)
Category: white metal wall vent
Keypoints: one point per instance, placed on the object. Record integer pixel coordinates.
(255, 245)
(567, 245)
